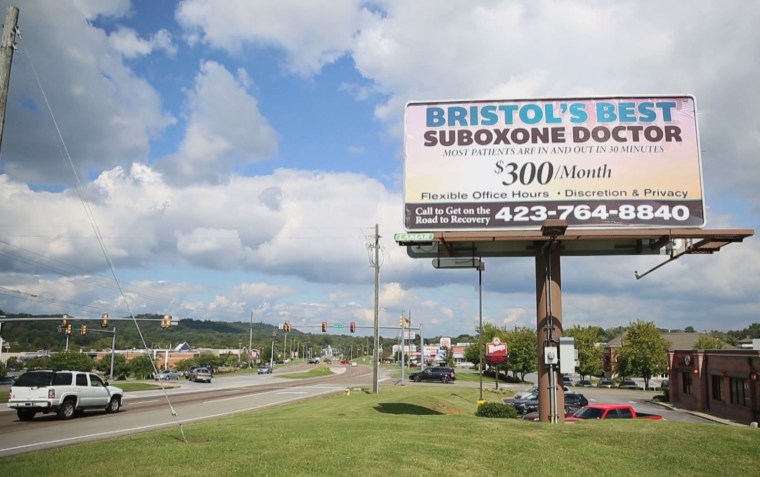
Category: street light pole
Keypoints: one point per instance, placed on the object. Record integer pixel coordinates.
(113, 350)
(271, 357)
(250, 345)
(481, 266)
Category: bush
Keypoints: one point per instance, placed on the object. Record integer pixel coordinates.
(496, 409)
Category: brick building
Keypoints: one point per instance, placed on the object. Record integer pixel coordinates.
(721, 382)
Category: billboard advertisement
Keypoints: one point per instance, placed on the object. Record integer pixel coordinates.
(612, 162)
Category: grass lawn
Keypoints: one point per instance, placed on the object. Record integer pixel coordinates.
(404, 430)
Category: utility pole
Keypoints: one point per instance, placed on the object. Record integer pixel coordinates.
(375, 365)
(10, 28)
(250, 345)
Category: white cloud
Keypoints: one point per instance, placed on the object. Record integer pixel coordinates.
(128, 43)
(206, 227)
(225, 129)
(311, 34)
(106, 115)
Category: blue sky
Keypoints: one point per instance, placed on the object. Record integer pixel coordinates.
(237, 155)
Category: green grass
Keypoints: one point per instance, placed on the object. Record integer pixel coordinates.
(3, 396)
(312, 373)
(128, 386)
(409, 430)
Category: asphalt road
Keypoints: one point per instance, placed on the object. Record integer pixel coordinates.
(190, 402)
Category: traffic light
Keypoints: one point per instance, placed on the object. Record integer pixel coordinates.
(84, 330)
(352, 327)
(286, 327)
(324, 327)
(104, 321)
(65, 320)
(166, 322)
(401, 321)
(69, 329)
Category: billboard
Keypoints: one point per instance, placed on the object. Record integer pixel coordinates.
(604, 162)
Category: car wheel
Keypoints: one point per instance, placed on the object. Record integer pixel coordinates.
(113, 405)
(445, 379)
(25, 414)
(417, 379)
(67, 409)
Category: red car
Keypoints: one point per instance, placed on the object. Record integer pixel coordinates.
(345, 361)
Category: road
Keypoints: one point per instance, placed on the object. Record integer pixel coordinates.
(149, 410)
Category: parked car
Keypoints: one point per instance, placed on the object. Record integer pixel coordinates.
(576, 400)
(167, 374)
(437, 373)
(354, 364)
(584, 383)
(573, 402)
(628, 384)
(533, 416)
(527, 404)
(611, 411)
(605, 383)
(524, 394)
(344, 361)
(265, 369)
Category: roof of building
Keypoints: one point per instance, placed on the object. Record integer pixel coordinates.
(676, 340)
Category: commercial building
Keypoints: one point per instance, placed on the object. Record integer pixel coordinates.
(721, 382)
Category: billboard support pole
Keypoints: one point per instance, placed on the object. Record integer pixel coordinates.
(549, 323)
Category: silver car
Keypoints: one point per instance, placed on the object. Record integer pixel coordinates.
(168, 375)
(200, 375)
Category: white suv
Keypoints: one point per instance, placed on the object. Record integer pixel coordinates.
(66, 393)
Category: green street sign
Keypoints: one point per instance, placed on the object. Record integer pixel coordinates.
(414, 237)
(339, 325)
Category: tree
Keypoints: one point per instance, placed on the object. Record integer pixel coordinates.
(643, 352)
(449, 357)
(589, 354)
(13, 363)
(120, 366)
(141, 367)
(70, 360)
(472, 353)
(523, 346)
(709, 342)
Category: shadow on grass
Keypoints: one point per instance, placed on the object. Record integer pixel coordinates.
(403, 408)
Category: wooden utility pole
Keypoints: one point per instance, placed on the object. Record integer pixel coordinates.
(10, 24)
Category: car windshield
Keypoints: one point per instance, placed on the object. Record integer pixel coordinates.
(589, 413)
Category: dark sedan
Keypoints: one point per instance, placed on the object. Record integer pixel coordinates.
(572, 401)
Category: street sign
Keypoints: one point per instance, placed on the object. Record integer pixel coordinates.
(457, 263)
(414, 237)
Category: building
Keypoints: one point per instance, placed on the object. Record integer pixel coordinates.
(676, 340)
(721, 382)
